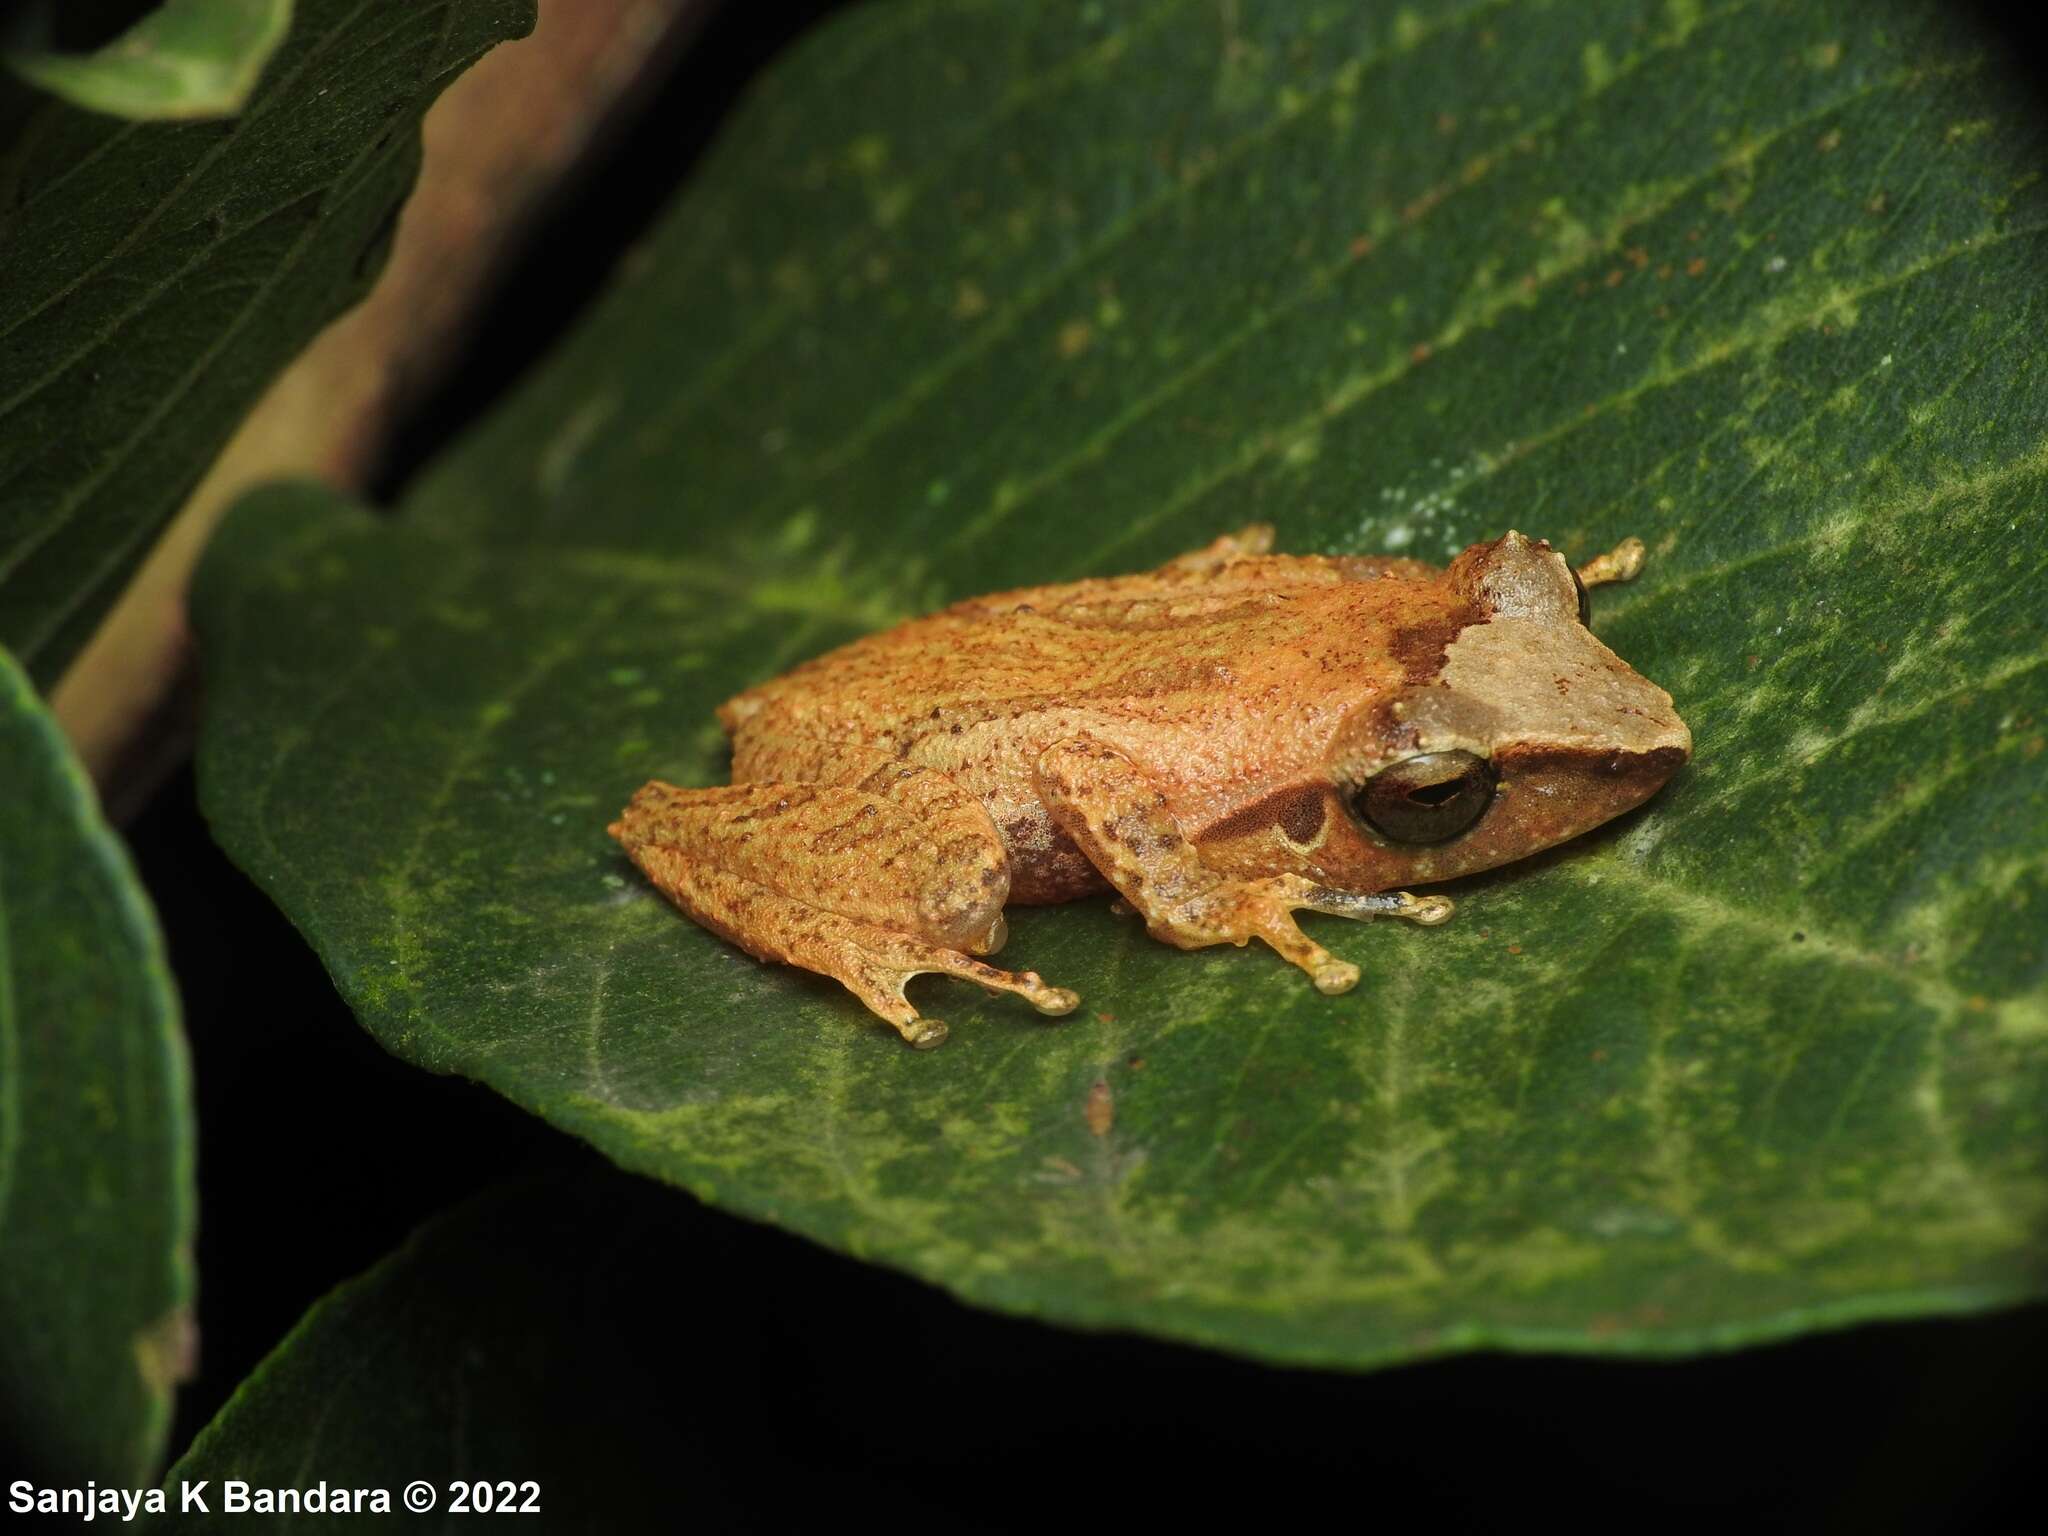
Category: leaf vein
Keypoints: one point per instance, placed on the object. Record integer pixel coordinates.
(715, 371)
(1461, 328)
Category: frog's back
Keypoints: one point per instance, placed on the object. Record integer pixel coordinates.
(1167, 652)
(1212, 683)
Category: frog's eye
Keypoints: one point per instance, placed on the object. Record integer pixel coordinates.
(1585, 602)
(1427, 798)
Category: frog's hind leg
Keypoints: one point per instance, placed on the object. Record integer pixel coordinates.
(873, 963)
(870, 888)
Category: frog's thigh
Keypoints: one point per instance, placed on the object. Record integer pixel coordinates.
(769, 756)
(932, 868)
(938, 809)
(1103, 801)
(839, 881)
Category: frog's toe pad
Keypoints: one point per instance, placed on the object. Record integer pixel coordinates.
(1429, 910)
(1334, 978)
(1053, 1001)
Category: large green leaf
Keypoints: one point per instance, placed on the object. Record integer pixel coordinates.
(158, 275)
(188, 58)
(96, 1196)
(984, 294)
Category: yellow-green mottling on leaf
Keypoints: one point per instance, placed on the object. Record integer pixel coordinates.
(1771, 1055)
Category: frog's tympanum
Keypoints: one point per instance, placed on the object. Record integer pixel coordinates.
(1225, 740)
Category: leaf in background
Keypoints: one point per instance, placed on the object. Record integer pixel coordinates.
(96, 1193)
(511, 1338)
(158, 276)
(189, 58)
(980, 295)
(486, 176)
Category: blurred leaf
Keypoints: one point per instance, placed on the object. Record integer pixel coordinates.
(485, 178)
(96, 1194)
(159, 275)
(513, 1339)
(188, 58)
(979, 295)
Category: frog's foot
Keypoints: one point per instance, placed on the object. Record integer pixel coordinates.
(1103, 802)
(1252, 539)
(875, 965)
(871, 962)
(1233, 911)
(1624, 562)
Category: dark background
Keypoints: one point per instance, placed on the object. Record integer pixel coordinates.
(791, 1381)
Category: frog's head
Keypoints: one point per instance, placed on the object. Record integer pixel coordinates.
(1510, 730)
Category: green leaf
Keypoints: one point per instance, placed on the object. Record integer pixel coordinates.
(513, 1338)
(189, 58)
(977, 295)
(158, 276)
(96, 1192)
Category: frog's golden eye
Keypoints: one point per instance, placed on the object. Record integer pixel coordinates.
(1427, 798)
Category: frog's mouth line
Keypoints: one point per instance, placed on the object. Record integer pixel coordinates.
(1548, 794)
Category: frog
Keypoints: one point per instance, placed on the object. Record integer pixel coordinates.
(1223, 741)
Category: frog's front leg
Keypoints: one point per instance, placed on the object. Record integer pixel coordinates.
(870, 884)
(1101, 799)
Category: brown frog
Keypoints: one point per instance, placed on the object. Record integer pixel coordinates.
(1225, 740)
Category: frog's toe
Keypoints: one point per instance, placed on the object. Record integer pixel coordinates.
(1028, 985)
(1427, 910)
(879, 966)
